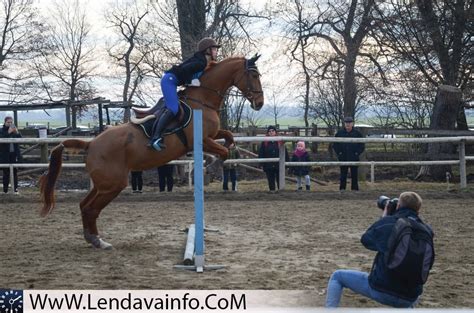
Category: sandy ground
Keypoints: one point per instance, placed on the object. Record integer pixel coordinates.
(283, 241)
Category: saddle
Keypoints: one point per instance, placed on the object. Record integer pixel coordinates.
(145, 118)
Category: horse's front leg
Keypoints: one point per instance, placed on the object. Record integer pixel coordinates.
(226, 135)
(210, 146)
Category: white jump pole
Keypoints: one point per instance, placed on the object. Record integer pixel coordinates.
(189, 251)
(199, 263)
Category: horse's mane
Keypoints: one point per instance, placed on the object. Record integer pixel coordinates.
(214, 64)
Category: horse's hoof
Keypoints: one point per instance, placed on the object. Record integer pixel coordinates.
(96, 241)
(100, 244)
(105, 245)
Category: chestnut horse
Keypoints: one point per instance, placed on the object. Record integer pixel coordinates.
(120, 149)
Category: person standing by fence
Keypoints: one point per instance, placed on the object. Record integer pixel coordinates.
(349, 151)
(137, 181)
(230, 170)
(270, 149)
(165, 177)
(301, 155)
(10, 153)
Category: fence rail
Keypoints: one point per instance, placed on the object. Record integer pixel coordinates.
(282, 164)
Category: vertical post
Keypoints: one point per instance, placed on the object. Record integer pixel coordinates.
(101, 118)
(198, 191)
(281, 166)
(190, 180)
(12, 178)
(462, 163)
(44, 153)
(107, 115)
(372, 172)
(15, 118)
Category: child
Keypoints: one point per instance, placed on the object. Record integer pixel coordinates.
(301, 155)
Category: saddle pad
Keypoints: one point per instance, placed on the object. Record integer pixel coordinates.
(174, 126)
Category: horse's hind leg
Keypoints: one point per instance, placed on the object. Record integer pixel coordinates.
(90, 212)
(88, 197)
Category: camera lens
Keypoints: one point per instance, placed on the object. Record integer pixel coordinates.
(382, 201)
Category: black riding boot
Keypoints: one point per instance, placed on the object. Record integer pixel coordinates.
(161, 121)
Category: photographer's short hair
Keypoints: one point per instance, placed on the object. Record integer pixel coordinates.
(410, 200)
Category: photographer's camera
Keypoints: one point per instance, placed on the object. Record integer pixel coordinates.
(392, 204)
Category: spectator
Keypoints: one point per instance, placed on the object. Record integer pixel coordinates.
(137, 181)
(230, 169)
(349, 151)
(270, 149)
(380, 285)
(10, 153)
(165, 177)
(301, 155)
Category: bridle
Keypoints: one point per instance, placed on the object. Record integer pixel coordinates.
(249, 92)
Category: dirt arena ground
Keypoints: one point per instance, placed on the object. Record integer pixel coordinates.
(283, 241)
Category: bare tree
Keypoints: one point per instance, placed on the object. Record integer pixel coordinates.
(67, 61)
(234, 109)
(297, 18)
(435, 38)
(344, 25)
(20, 40)
(19, 30)
(192, 24)
(273, 107)
(252, 118)
(127, 22)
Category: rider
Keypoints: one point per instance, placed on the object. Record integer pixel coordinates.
(187, 72)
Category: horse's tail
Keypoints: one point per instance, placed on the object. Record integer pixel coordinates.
(47, 181)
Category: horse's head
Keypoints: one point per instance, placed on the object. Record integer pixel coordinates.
(248, 82)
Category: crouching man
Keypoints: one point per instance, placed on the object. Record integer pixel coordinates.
(405, 254)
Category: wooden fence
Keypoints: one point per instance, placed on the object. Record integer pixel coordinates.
(460, 141)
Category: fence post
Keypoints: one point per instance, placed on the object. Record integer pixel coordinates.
(281, 166)
(44, 153)
(462, 163)
(372, 172)
(190, 178)
(12, 178)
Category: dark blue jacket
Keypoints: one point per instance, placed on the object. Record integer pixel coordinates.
(300, 170)
(348, 151)
(5, 147)
(376, 239)
(186, 71)
(270, 149)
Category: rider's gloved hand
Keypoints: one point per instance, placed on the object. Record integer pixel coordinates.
(195, 83)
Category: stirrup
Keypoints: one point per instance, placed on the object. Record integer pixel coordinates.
(158, 144)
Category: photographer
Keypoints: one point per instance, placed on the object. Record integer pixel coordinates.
(381, 285)
(9, 153)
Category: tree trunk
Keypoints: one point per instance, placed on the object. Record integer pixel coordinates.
(445, 114)
(350, 87)
(192, 24)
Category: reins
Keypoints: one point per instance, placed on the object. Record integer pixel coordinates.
(249, 92)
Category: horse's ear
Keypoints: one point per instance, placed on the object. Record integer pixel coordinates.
(254, 59)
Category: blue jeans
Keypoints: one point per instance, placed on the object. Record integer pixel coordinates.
(169, 84)
(359, 283)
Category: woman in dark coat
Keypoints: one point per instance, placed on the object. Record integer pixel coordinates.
(270, 149)
(9, 153)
